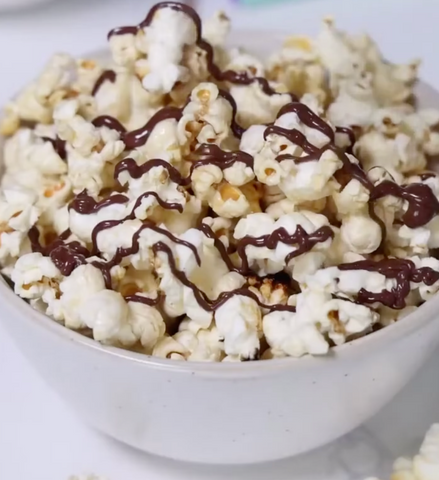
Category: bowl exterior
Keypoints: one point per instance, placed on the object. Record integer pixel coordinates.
(200, 416)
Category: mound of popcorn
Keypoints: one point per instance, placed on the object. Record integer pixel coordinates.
(191, 201)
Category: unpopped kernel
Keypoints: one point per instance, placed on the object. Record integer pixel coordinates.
(194, 202)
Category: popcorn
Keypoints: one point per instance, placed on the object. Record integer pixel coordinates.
(425, 465)
(194, 202)
(239, 322)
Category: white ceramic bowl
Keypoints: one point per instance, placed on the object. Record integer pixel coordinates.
(225, 413)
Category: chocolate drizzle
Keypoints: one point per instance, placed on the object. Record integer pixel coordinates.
(305, 242)
(237, 78)
(423, 205)
(134, 248)
(58, 145)
(86, 205)
(308, 117)
(202, 299)
(66, 257)
(400, 270)
(211, 154)
(106, 76)
(109, 122)
(139, 137)
(294, 136)
(137, 171)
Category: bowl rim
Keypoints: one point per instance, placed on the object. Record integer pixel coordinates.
(408, 325)
(12, 303)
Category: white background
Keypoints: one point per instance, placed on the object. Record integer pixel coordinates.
(40, 439)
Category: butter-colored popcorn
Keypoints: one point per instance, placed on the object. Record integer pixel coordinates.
(18, 214)
(168, 347)
(297, 67)
(35, 276)
(355, 103)
(206, 118)
(255, 106)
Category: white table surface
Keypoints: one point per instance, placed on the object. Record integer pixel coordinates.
(40, 439)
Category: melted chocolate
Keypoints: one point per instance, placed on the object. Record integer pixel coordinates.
(237, 78)
(106, 76)
(236, 128)
(66, 257)
(400, 270)
(294, 136)
(151, 302)
(86, 205)
(134, 249)
(423, 205)
(109, 122)
(427, 175)
(202, 299)
(136, 171)
(211, 154)
(308, 117)
(139, 137)
(300, 237)
(162, 203)
(58, 145)
(123, 31)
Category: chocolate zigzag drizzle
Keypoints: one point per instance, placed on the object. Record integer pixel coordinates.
(202, 299)
(86, 205)
(106, 76)
(237, 78)
(400, 270)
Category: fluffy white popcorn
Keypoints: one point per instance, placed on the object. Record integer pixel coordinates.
(89, 148)
(206, 118)
(35, 276)
(216, 29)
(82, 284)
(286, 335)
(317, 314)
(201, 344)
(167, 36)
(239, 322)
(361, 234)
(36, 102)
(255, 106)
